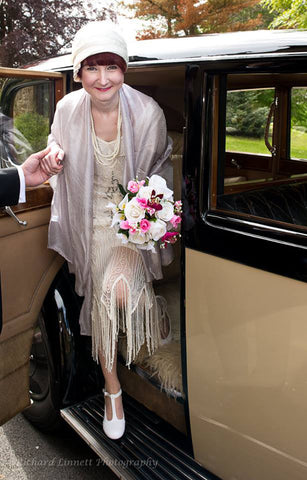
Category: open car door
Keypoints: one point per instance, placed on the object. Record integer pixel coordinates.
(246, 293)
(27, 104)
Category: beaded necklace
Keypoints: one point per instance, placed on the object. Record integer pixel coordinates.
(103, 158)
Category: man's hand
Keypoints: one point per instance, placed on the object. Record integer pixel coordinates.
(36, 173)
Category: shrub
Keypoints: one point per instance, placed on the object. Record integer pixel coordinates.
(247, 112)
(34, 127)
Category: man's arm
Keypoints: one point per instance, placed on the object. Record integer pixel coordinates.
(9, 186)
(31, 174)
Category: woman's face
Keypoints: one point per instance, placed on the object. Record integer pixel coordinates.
(102, 82)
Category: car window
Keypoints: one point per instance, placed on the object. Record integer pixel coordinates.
(25, 117)
(298, 140)
(249, 128)
(262, 169)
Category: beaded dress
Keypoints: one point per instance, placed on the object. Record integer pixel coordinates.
(122, 300)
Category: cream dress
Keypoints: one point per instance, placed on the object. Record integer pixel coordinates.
(117, 272)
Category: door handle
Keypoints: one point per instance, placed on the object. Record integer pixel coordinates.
(10, 212)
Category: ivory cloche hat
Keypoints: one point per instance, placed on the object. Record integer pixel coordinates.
(97, 37)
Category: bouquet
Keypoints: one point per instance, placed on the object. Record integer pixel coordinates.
(147, 214)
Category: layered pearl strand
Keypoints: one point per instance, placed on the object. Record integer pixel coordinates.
(107, 159)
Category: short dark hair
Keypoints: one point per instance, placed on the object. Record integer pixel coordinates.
(106, 58)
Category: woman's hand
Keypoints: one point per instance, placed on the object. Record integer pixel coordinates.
(52, 164)
(33, 171)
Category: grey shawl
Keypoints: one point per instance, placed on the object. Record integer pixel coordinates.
(147, 150)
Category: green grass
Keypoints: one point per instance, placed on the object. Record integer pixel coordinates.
(298, 144)
(256, 145)
(245, 144)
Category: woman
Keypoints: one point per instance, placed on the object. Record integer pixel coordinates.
(110, 134)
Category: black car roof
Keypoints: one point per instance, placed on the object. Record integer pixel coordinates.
(251, 43)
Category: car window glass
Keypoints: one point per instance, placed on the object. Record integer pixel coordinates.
(26, 109)
(246, 118)
(264, 162)
(248, 131)
(298, 123)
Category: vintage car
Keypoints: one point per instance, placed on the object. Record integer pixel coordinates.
(227, 397)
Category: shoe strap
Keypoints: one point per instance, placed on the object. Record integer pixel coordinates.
(112, 395)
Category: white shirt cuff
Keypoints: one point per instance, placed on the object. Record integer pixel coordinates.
(22, 193)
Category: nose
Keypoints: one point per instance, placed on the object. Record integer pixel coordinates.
(103, 75)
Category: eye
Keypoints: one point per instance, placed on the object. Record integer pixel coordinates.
(90, 68)
(112, 67)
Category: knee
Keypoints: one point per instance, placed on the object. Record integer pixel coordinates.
(116, 292)
(121, 293)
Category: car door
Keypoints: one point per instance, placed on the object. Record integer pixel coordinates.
(246, 271)
(27, 267)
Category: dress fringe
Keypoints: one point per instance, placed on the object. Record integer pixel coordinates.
(139, 324)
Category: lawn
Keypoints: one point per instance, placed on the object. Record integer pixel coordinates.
(257, 145)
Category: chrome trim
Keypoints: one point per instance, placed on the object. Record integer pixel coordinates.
(9, 211)
(95, 445)
(259, 226)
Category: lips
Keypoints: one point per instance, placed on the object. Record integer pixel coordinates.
(103, 89)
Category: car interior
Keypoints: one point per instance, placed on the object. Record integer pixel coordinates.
(156, 380)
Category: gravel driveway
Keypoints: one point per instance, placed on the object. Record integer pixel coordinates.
(28, 454)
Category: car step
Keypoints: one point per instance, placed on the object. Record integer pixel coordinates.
(150, 449)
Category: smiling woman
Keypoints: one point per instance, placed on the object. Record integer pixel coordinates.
(102, 76)
(110, 133)
(102, 79)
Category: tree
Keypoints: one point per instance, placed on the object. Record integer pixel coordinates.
(31, 29)
(186, 17)
(247, 112)
(287, 13)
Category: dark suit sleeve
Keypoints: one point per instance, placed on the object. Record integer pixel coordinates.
(9, 186)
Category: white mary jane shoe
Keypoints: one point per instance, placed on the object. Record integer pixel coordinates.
(115, 427)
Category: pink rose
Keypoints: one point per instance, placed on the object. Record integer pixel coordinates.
(175, 220)
(141, 183)
(169, 237)
(142, 202)
(133, 186)
(144, 225)
(124, 225)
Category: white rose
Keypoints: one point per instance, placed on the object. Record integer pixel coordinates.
(158, 184)
(133, 212)
(145, 192)
(138, 237)
(157, 229)
(167, 211)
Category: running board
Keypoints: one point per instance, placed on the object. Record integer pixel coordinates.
(150, 449)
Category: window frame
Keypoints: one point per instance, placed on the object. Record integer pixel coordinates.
(242, 223)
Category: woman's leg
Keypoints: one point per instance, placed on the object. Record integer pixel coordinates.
(112, 385)
(123, 276)
(119, 263)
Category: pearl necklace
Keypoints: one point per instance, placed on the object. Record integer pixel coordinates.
(107, 159)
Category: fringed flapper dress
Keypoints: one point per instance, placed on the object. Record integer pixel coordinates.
(122, 299)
